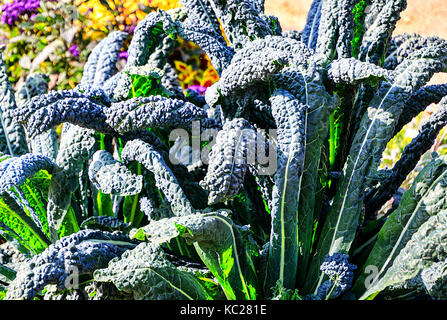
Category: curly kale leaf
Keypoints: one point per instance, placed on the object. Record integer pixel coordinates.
(45, 143)
(434, 280)
(70, 257)
(35, 85)
(335, 29)
(406, 44)
(147, 273)
(112, 177)
(202, 12)
(230, 156)
(80, 107)
(376, 128)
(108, 57)
(137, 150)
(75, 148)
(310, 31)
(291, 117)
(101, 63)
(345, 22)
(16, 170)
(423, 200)
(148, 33)
(147, 207)
(304, 80)
(221, 245)
(12, 130)
(419, 101)
(340, 273)
(350, 71)
(251, 66)
(241, 21)
(211, 42)
(381, 21)
(154, 111)
(409, 159)
(171, 82)
(425, 248)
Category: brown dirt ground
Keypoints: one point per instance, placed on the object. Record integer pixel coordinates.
(425, 17)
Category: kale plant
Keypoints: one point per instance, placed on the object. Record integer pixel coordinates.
(265, 187)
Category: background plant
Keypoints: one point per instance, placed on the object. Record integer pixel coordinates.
(336, 93)
(56, 37)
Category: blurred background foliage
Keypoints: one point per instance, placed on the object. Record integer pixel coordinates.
(56, 37)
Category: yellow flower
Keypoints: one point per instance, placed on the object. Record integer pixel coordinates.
(100, 19)
(189, 75)
(164, 4)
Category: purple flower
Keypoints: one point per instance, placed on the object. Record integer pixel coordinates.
(12, 11)
(198, 88)
(74, 50)
(123, 55)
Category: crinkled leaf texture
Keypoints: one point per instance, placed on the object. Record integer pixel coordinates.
(35, 85)
(45, 143)
(75, 148)
(233, 151)
(16, 170)
(303, 79)
(411, 155)
(147, 273)
(202, 12)
(254, 64)
(424, 199)
(350, 70)
(382, 17)
(221, 245)
(434, 280)
(426, 247)
(80, 253)
(290, 116)
(101, 63)
(241, 21)
(13, 132)
(23, 185)
(310, 31)
(112, 177)
(137, 150)
(83, 107)
(154, 111)
(211, 42)
(334, 32)
(376, 129)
